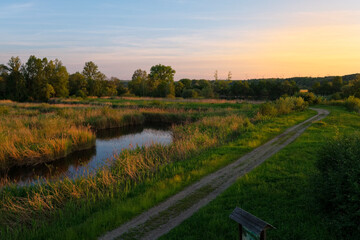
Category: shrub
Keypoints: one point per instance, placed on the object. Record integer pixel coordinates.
(283, 106)
(309, 97)
(338, 183)
(353, 104)
(268, 109)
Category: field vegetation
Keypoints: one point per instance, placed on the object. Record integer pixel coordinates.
(309, 190)
(337, 183)
(139, 178)
(35, 133)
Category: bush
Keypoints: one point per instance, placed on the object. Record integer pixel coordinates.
(338, 183)
(289, 104)
(283, 106)
(309, 97)
(268, 109)
(353, 104)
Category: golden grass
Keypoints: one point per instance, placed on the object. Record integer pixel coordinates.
(130, 166)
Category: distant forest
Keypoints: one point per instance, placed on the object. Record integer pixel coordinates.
(41, 79)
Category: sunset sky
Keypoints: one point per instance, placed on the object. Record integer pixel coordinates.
(252, 39)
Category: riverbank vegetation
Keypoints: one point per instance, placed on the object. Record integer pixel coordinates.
(36, 133)
(285, 189)
(40, 211)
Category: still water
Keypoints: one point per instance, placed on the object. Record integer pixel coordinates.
(108, 143)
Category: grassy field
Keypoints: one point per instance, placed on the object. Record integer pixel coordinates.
(86, 208)
(280, 191)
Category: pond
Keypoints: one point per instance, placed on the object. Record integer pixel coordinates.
(108, 143)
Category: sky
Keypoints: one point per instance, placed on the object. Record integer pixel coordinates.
(252, 39)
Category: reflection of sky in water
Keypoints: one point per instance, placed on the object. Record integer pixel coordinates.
(108, 143)
(106, 148)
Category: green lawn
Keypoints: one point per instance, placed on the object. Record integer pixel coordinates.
(92, 218)
(279, 191)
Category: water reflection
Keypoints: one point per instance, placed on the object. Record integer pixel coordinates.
(108, 143)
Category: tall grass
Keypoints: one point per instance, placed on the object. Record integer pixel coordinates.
(28, 139)
(36, 133)
(130, 167)
(32, 205)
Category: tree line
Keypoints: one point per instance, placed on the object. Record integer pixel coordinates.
(40, 79)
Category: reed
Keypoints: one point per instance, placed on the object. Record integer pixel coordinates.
(130, 167)
(28, 206)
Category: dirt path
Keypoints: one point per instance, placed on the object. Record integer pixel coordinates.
(160, 219)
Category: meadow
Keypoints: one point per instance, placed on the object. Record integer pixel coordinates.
(283, 192)
(139, 178)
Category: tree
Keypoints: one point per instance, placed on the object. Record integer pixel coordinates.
(139, 82)
(35, 78)
(121, 89)
(239, 89)
(186, 82)
(229, 76)
(15, 86)
(207, 92)
(161, 80)
(189, 93)
(179, 87)
(77, 85)
(337, 84)
(58, 77)
(204, 84)
(94, 78)
(221, 88)
(216, 77)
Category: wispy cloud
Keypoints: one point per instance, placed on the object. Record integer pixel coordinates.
(13, 10)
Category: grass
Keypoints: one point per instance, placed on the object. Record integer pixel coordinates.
(279, 191)
(145, 102)
(28, 138)
(35, 133)
(87, 208)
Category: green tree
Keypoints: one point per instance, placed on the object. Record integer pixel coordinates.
(77, 85)
(94, 79)
(207, 92)
(239, 89)
(353, 88)
(15, 86)
(58, 77)
(36, 82)
(139, 83)
(189, 93)
(186, 82)
(337, 84)
(221, 87)
(161, 81)
(179, 87)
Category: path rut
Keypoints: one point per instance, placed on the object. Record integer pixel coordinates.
(160, 219)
